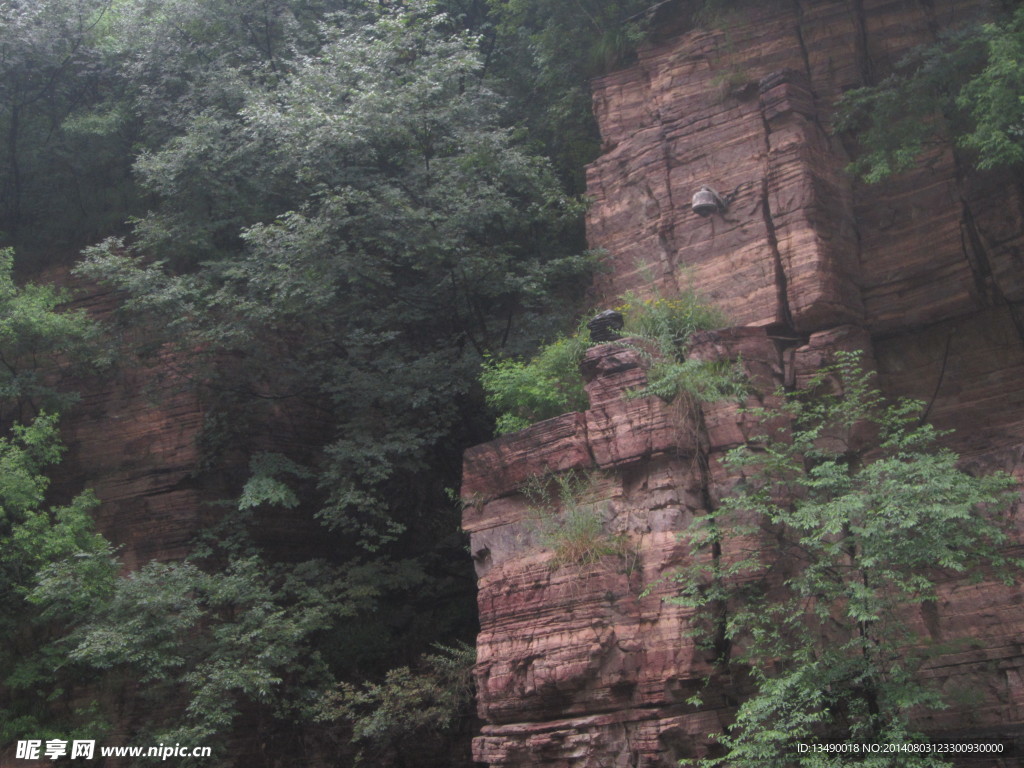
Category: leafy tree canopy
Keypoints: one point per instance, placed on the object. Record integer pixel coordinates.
(420, 237)
(62, 176)
(847, 518)
(335, 216)
(967, 88)
(40, 539)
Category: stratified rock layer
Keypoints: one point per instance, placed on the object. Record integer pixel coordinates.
(133, 441)
(136, 438)
(923, 273)
(575, 664)
(928, 264)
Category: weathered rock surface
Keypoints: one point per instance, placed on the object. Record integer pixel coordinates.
(575, 667)
(922, 273)
(135, 437)
(133, 441)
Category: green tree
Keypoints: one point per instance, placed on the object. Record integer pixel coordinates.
(64, 164)
(231, 637)
(182, 58)
(967, 89)
(41, 539)
(33, 333)
(212, 644)
(403, 714)
(847, 516)
(422, 237)
(545, 54)
(49, 543)
(340, 246)
(184, 69)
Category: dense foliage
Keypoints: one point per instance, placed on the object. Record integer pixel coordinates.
(403, 714)
(847, 518)
(547, 52)
(64, 172)
(41, 540)
(333, 214)
(967, 88)
(334, 211)
(419, 237)
(524, 391)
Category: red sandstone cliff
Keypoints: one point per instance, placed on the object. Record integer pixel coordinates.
(923, 273)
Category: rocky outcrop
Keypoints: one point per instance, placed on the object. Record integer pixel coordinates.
(139, 438)
(578, 665)
(132, 439)
(927, 264)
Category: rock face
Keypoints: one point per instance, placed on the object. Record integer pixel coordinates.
(927, 264)
(133, 442)
(136, 439)
(575, 668)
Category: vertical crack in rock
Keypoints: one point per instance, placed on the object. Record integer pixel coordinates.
(975, 252)
(782, 311)
(804, 54)
(721, 644)
(863, 59)
(973, 249)
(587, 444)
(667, 232)
(941, 378)
(783, 315)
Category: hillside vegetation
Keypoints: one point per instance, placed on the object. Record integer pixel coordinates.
(336, 212)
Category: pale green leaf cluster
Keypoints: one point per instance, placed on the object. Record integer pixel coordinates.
(43, 544)
(966, 89)
(408, 706)
(34, 335)
(524, 392)
(846, 516)
(40, 541)
(994, 98)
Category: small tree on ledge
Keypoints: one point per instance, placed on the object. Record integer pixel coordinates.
(846, 517)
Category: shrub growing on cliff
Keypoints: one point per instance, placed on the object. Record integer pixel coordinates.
(667, 325)
(857, 514)
(569, 522)
(524, 392)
